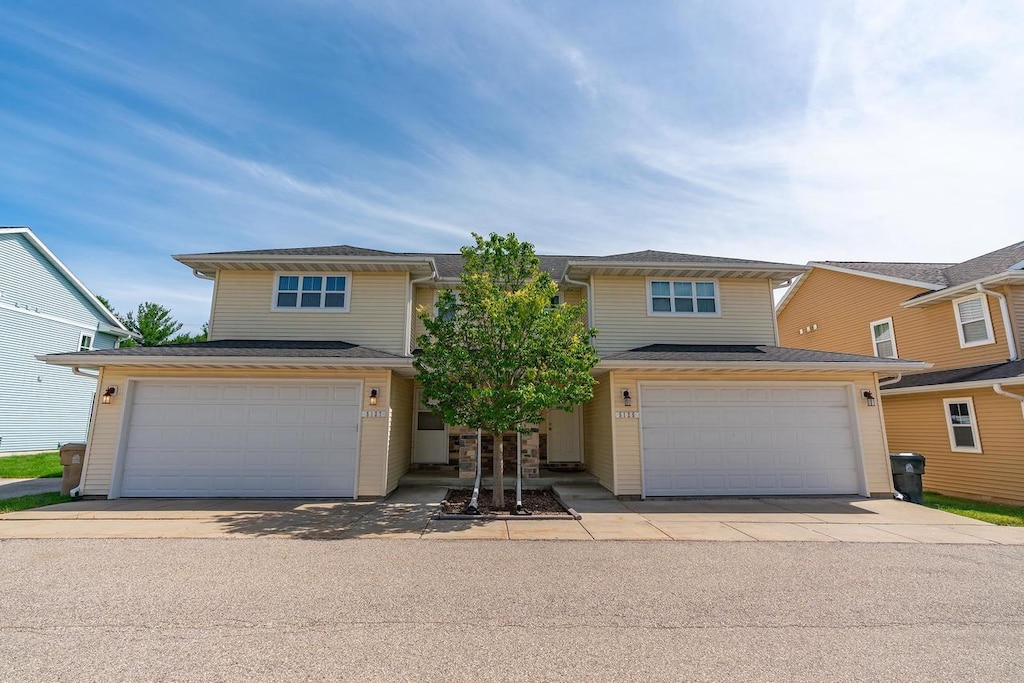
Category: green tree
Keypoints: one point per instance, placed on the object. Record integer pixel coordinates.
(186, 338)
(499, 355)
(153, 323)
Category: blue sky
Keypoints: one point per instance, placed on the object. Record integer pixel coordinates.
(784, 130)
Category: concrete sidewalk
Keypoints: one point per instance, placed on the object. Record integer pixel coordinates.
(406, 514)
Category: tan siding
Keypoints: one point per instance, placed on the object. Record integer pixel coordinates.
(1015, 300)
(917, 423)
(373, 431)
(376, 317)
(629, 469)
(844, 306)
(622, 322)
(400, 443)
(597, 434)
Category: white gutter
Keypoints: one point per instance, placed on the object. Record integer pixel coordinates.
(748, 365)
(202, 276)
(953, 386)
(590, 299)
(76, 370)
(409, 305)
(1005, 312)
(228, 361)
(998, 388)
(891, 380)
(949, 293)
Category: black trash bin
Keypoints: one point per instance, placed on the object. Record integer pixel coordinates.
(907, 469)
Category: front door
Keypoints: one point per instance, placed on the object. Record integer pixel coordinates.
(565, 436)
(430, 443)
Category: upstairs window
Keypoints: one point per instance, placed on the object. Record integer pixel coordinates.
(963, 429)
(437, 298)
(85, 343)
(883, 338)
(312, 292)
(973, 324)
(682, 297)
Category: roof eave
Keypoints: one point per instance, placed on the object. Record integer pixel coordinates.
(780, 271)
(95, 361)
(953, 386)
(764, 365)
(203, 262)
(950, 293)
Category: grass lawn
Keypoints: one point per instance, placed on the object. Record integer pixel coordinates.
(40, 465)
(1004, 515)
(36, 500)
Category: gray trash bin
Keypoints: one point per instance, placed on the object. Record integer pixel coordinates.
(72, 456)
(907, 469)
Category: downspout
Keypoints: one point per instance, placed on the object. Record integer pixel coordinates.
(409, 303)
(1005, 311)
(775, 312)
(590, 299)
(77, 491)
(473, 507)
(891, 380)
(998, 388)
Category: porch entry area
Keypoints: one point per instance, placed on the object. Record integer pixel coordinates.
(555, 444)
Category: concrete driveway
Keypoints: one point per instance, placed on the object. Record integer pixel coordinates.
(407, 514)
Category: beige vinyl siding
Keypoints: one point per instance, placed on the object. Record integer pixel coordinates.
(621, 318)
(628, 465)
(106, 430)
(400, 442)
(1015, 301)
(597, 434)
(376, 317)
(917, 423)
(844, 306)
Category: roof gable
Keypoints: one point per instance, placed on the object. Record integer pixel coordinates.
(66, 277)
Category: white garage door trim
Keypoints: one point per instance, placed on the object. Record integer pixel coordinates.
(851, 400)
(120, 455)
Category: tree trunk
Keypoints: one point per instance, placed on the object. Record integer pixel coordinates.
(498, 497)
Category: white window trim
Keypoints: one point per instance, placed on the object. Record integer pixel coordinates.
(959, 324)
(673, 314)
(437, 296)
(321, 309)
(974, 425)
(81, 342)
(892, 335)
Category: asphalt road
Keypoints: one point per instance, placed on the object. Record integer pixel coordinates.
(262, 609)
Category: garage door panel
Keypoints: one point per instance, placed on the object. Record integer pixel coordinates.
(242, 439)
(748, 440)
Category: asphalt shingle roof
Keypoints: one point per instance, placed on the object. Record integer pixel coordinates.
(243, 348)
(932, 273)
(740, 352)
(979, 373)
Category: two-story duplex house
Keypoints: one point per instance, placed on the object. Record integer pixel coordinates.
(966, 319)
(44, 309)
(306, 387)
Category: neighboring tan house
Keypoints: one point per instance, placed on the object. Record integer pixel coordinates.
(967, 319)
(44, 308)
(306, 387)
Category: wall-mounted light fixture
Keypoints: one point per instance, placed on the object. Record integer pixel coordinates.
(109, 394)
(627, 400)
(869, 397)
(373, 396)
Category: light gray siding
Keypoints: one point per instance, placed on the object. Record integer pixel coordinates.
(29, 280)
(41, 405)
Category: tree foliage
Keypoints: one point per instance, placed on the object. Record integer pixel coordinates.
(155, 325)
(499, 355)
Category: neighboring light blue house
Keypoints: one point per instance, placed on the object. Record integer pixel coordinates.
(44, 308)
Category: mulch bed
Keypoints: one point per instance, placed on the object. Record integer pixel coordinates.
(537, 501)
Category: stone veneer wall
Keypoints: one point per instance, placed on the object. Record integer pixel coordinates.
(466, 453)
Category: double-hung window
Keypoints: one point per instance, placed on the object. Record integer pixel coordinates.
(682, 297)
(312, 292)
(85, 343)
(883, 338)
(973, 324)
(962, 425)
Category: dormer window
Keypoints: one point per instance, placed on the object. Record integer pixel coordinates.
(682, 297)
(326, 292)
(973, 324)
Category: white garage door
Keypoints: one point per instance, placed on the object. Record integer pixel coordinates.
(208, 439)
(748, 440)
